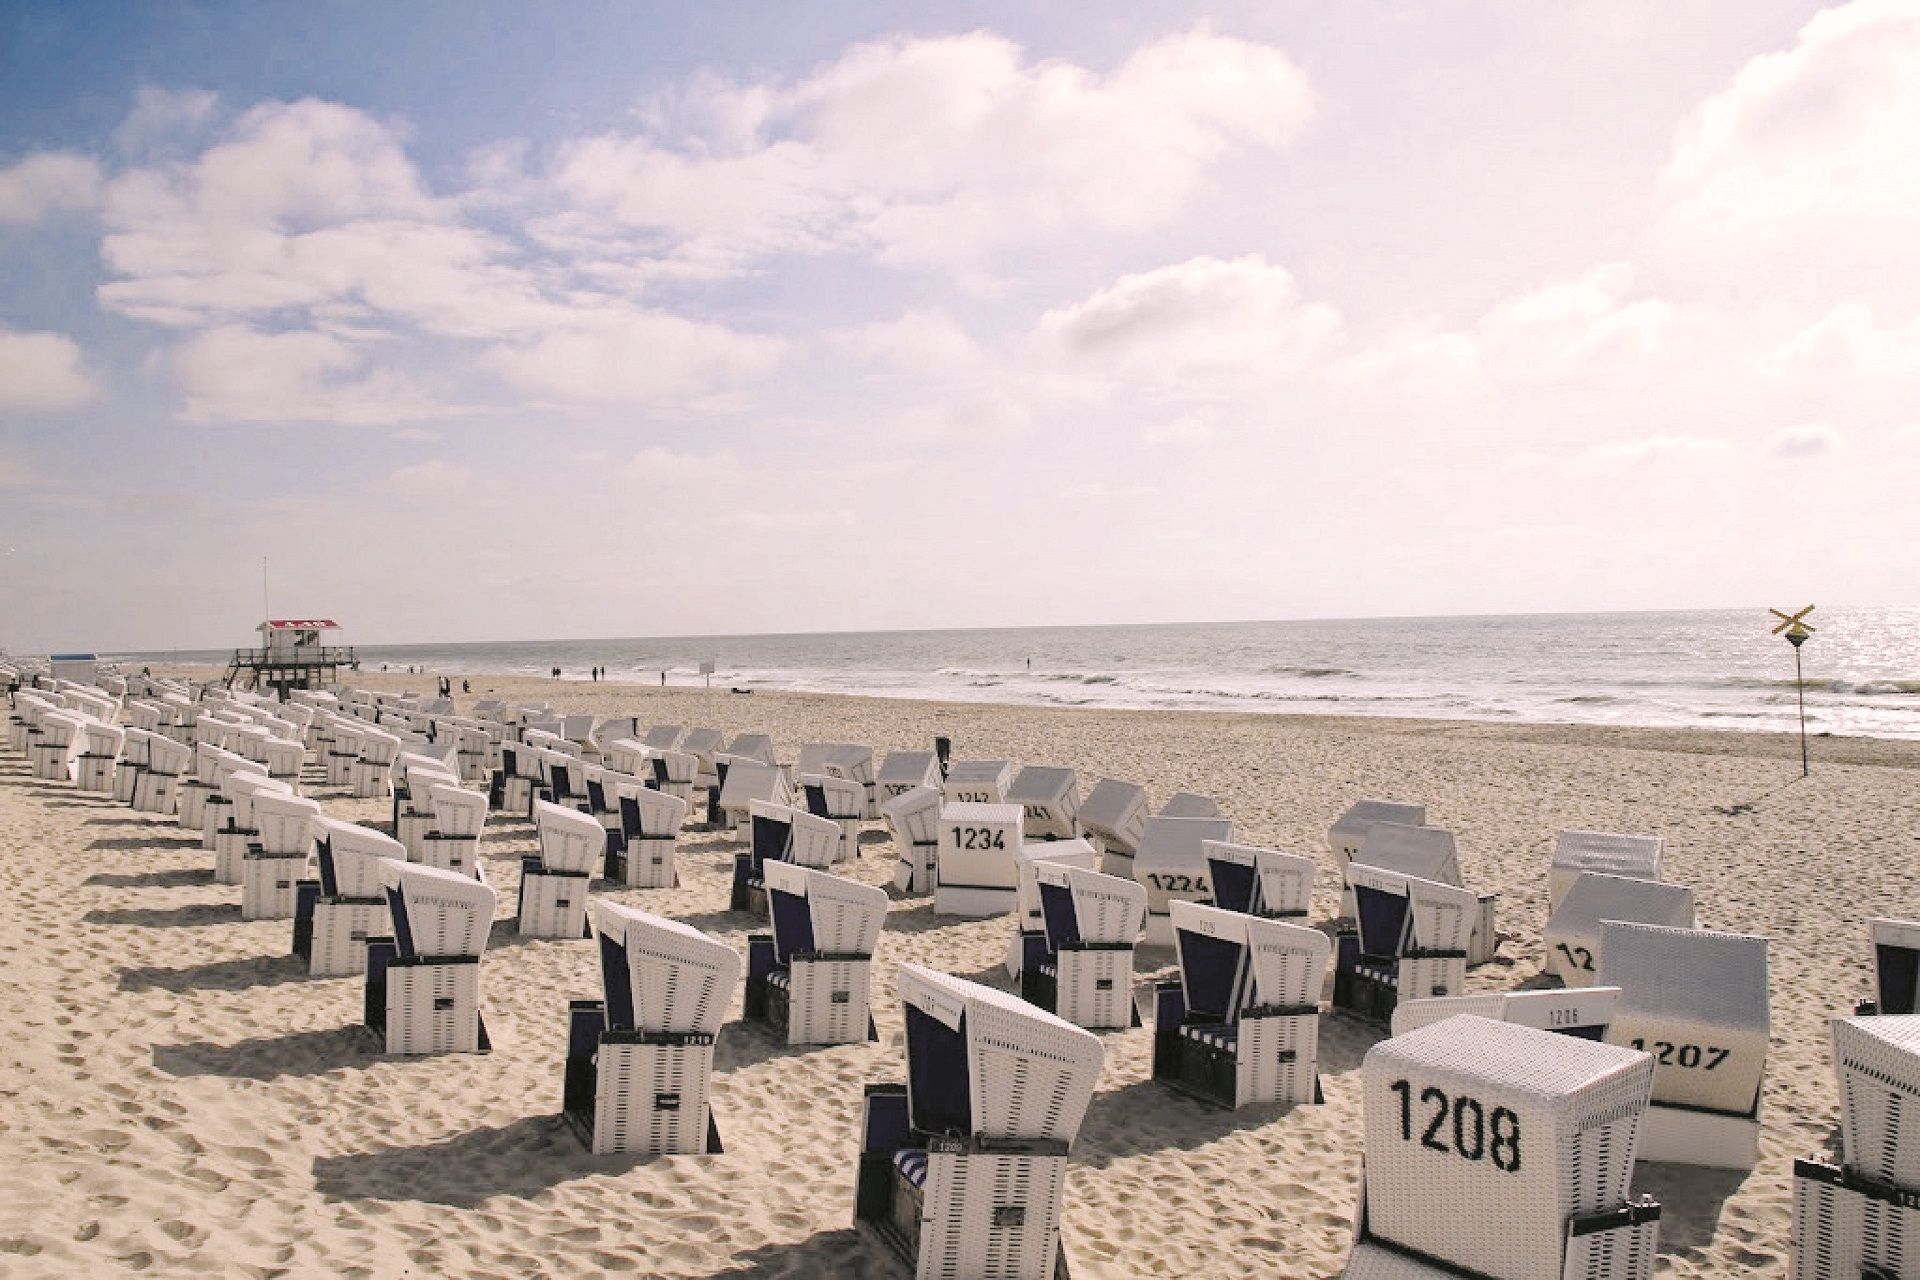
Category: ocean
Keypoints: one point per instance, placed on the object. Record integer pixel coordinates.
(1717, 668)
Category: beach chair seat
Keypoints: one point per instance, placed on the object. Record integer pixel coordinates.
(779, 833)
(810, 979)
(278, 858)
(459, 817)
(1029, 920)
(1431, 854)
(1696, 1000)
(841, 800)
(100, 747)
(976, 865)
(1501, 1151)
(156, 788)
(1574, 936)
(977, 781)
(1171, 863)
(554, 883)
(423, 982)
(913, 818)
(1114, 816)
(1259, 882)
(1080, 964)
(1407, 942)
(641, 854)
(1187, 804)
(962, 1171)
(1241, 1025)
(1896, 967)
(640, 1059)
(1348, 832)
(1050, 797)
(904, 771)
(1604, 852)
(1586, 1012)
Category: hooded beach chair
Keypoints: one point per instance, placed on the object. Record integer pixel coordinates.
(459, 816)
(673, 772)
(640, 1059)
(554, 882)
(842, 800)
(61, 737)
(913, 818)
(1430, 853)
(963, 1168)
(1050, 797)
(1697, 1001)
(1241, 1024)
(1080, 964)
(371, 774)
(1501, 1151)
(811, 978)
(413, 815)
(277, 860)
(746, 782)
(1586, 1013)
(641, 854)
(1172, 865)
(702, 744)
(844, 760)
(518, 780)
(156, 788)
(1408, 942)
(136, 753)
(1574, 937)
(285, 758)
(1186, 804)
(977, 781)
(100, 747)
(1259, 882)
(1114, 816)
(1344, 837)
(976, 865)
(779, 833)
(663, 737)
(1896, 967)
(753, 746)
(1578, 852)
(238, 832)
(902, 771)
(423, 982)
(1027, 916)
(336, 914)
(1860, 1217)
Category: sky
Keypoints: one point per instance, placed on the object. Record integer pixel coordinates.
(497, 321)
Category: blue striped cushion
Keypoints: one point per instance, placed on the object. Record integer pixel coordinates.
(1050, 969)
(781, 978)
(1218, 1037)
(912, 1162)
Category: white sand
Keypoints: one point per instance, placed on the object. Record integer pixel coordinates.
(180, 1099)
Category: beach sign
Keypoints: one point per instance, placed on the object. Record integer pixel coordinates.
(1797, 629)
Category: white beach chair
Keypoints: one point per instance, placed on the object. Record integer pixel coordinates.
(1080, 964)
(554, 883)
(1431, 854)
(100, 746)
(753, 746)
(913, 818)
(1896, 967)
(286, 758)
(976, 865)
(1114, 816)
(156, 789)
(1574, 936)
(641, 854)
(1504, 1152)
(962, 1169)
(274, 865)
(702, 744)
(1586, 1013)
(977, 782)
(1408, 942)
(663, 737)
(53, 753)
(1186, 804)
(423, 983)
(1259, 882)
(1050, 797)
(336, 914)
(1696, 1001)
(842, 800)
(136, 753)
(1241, 1024)
(413, 815)
(674, 772)
(237, 833)
(459, 817)
(902, 771)
(1171, 863)
(640, 1060)
(1344, 837)
(811, 978)
(742, 782)
(779, 833)
(1578, 852)
(371, 775)
(847, 761)
(1029, 922)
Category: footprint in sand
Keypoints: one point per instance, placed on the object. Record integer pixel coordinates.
(86, 1231)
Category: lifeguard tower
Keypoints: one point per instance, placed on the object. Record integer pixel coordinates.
(294, 654)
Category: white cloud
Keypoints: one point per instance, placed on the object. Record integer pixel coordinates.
(435, 477)
(237, 374)
(1814, 440)
(47, 182)
(633, 356)
(1851, 339)
(42, 371)
(161, 117)
(933, 151)
(1623, 457)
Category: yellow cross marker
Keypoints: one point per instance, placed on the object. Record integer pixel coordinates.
(1796, 628)
(1795, 625)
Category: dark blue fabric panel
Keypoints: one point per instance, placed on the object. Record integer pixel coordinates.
(1056, 908)
(1233, 885)
(937, 1084)
(1382, 920)
(402, 930)
(771, 837)
(1899, 971)
(792, 924)
(1212, 968)
(616, 980)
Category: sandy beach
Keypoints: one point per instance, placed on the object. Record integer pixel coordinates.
(179, 1098)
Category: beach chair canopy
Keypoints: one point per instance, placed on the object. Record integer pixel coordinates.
(1186, 804)
(909, 769)
(1114, 810)
(1050, 795)
(1397, 912)
(753, 746)
(1259, 881)
(437, 913)
(1079, 904)
(661, 975)
(569, 839)
(1605, 852)
(287, 823)
(814, 912)
(1230, 962)
(1427, 852)
(1177, 846)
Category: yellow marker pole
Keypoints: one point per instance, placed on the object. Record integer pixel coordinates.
(1797, 630)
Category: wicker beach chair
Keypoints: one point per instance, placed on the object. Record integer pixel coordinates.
(1171, 863)
(753, 746)
(779, 833)
(231, 826)
(1574, 936)
(1050, 797)
(810, 980)
(902, 771)
(371, 774)
(841, 800)
(674, 772)
(1029, 921)
(61, 735)
(1697, 1001)
(136, 753)
(1586, 1013)
(554, 883)
(423, 982)
(1079, 965)
(1500, 1151)
(100, 747)
(1578, 852)
(413, 815)
(1347, 833)
(641, 854)
(962, 1170)
(459, 817)
(640, 1059)
(1187, 804)
(1114, 816)
(1408, 942)
(976, 866)
(977, 781)
(1430, 853)
(1241, 1025)
(1896, 967)
(1259, 882)
(1860, 1217)
(846, 761)
(744, 782)
(156, 788)
(913, 818)
(275, 863)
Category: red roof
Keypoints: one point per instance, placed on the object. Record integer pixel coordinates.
(299, 624)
